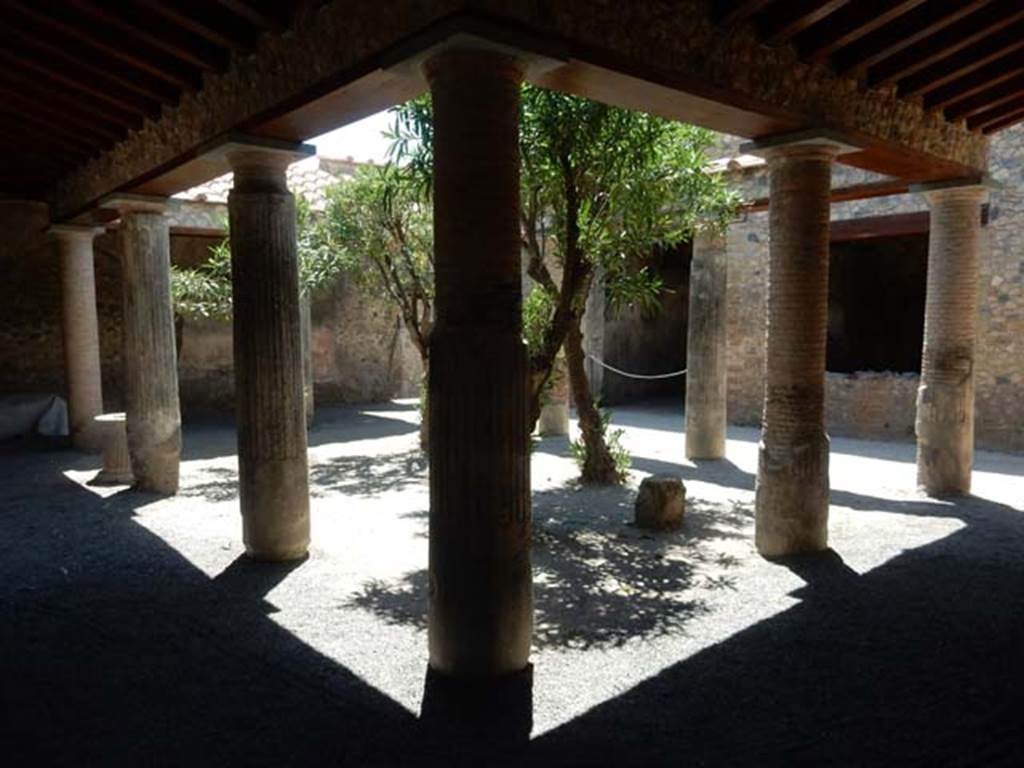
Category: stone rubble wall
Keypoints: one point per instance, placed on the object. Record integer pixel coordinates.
(361, 354)
(881, 405)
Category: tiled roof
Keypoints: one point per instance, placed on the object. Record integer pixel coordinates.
(310, 178)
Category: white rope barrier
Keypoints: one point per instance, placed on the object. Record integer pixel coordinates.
(628, 375)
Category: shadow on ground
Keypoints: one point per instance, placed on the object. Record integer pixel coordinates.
(117, 651)
(598, 580)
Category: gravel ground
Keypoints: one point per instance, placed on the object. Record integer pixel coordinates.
(134, 632)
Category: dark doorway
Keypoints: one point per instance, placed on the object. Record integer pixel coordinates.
(650, 342)
(876, 297)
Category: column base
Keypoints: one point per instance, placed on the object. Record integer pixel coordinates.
(484, 710)
(945, 439)
(701, 445)
(156, 466)
(275, 509)
(88, 441)
(554, 420)
(791, 498)
(104, 477)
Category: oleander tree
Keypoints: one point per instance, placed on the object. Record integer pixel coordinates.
(603, 188)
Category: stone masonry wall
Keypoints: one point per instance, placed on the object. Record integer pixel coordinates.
(360, 352)
(881, 405)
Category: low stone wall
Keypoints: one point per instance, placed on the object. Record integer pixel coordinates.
(361, 354)
(871, 405)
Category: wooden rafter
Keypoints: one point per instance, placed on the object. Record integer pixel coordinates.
(975, 30)
(1010, 119)
(125, 105)
(947, 70)
(990, 75)
(99, 38)
(903, 32)
(70, 104)
(252, 13)
(98, 132)
(194, 52)
(994, 115)
(24, 37)
(984, 100)
(796, 16)
(193, 23)
(739, 11)
(849, 25)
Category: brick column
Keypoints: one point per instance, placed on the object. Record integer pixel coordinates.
(705, 349)
(480, 610)
(153, 417)
(273, 472)
(81, 333)
(792, 491)
(945, 399)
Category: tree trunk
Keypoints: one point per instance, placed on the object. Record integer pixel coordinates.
(424, 410)
(598, 464)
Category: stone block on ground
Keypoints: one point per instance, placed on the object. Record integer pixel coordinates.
(661, 503)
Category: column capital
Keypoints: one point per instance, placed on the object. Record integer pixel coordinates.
(261, 166)
(68, 232)
(474, 59)
(813, 142)
(124, 203)
(466, 47)
(970, 188)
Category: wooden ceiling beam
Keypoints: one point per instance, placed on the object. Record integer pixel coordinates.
(44, 109)
(264, 20)
(119, 101)
(903, 32)
(29, 146)
(995, 115)
(196, 53)
(1010, 119)
(57, 50)
(71, 105)
(190, 21)
(1007, 41)
(46, 130)
(99, 38)
(993, 97)
(849, 25)
(795, 17)
(972, 31)
(975, 82)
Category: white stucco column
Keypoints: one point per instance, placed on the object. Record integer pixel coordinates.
(81, 333)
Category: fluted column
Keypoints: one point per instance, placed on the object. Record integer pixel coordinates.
(81, 333)
(792, 490)
(945, 399)
(273, 472)
(152, 413)
(705, 349)
(480, 610)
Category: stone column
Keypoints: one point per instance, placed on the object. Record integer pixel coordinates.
(273, 472)
(480, 610)
(153, 417)
(945, 399)
(306, 335)
(705, 349)
(81, 333)
(792, 491)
